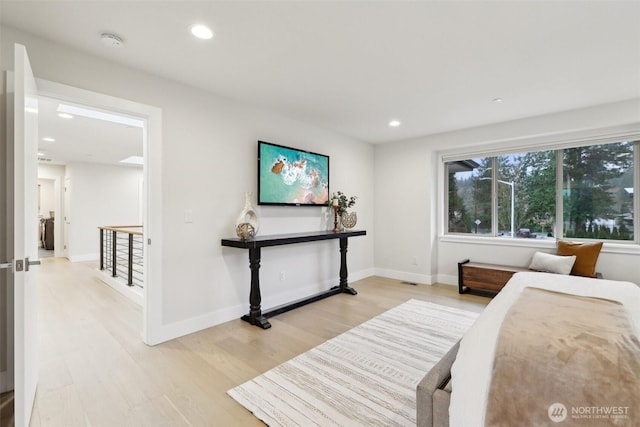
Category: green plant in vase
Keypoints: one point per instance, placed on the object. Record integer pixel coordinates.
(343, 202)
(340, 203)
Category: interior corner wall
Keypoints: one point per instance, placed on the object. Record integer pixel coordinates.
(99, 195)
(407, 196)
(403, 218)
(209, 151)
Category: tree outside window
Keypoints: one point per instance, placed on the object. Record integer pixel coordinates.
(597, 193)
(597, 203)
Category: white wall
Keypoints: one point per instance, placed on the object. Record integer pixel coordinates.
(407, 201)
(99, 195)
(209, 149)
(47, 197)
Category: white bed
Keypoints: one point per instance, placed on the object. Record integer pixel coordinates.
(472, 369)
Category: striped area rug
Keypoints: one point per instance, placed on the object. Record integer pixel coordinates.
(366, 376)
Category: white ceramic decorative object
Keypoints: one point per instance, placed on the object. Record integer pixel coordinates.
(349, 219)
(247, 224)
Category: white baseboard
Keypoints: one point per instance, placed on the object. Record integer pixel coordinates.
(208, 320)
(85, 257)
(448, 279)
(362, 274)
(134, 293)
(405, 276)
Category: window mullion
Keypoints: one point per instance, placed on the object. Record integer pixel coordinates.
(636, 187)
(559, 225)
(494, 196)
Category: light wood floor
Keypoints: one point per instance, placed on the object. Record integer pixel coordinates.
(95, 370)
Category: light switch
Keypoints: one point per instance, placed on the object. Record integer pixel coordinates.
(188, 216)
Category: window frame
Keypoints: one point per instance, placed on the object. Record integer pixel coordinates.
(548, 143)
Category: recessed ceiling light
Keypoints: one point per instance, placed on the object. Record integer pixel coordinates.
(65, 115)
(40, 153)
(497, 100)
(111, 40)
(394, 123)
(201, 31)
(48, 139)
(133, 160)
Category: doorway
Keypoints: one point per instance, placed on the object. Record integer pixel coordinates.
(89, 151)
(150, 203)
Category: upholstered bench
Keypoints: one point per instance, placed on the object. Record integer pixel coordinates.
(433, 393)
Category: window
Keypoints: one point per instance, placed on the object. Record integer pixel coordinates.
(469, 192)
(597, 191)
(521, 195)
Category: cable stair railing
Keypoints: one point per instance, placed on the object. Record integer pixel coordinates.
(122, 253)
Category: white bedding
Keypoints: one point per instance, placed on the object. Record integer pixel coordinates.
(471, 372)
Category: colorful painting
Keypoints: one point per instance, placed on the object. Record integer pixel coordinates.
(288, 176)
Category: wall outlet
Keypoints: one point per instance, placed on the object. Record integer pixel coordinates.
(188, 216)
(283, 276)
(414, 260)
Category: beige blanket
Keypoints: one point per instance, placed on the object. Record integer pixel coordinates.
(565, 360)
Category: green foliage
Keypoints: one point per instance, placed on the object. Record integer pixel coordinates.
(594, 182)
(459, 219)
(344, 202)
(589, 177)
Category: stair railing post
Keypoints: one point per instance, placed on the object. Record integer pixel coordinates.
(114, 254)
(130, 278)
(102, 248)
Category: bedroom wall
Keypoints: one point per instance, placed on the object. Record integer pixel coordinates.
(209, 162)
(407, 173)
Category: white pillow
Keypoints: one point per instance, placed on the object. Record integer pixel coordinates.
(552, 263)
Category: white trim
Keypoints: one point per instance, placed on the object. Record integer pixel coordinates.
(611, 247)
(134, 293)
(194, 324)
(198, 323)
(547, 142)
(554, 141)
(425, 279)
(152, 171)
(498, 241)
(448, 279)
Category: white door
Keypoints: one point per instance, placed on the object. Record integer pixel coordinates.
(22, 159)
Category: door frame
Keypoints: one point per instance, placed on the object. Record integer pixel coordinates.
(152, 190)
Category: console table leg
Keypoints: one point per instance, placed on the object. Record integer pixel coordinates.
(344, 283)
(255, 316)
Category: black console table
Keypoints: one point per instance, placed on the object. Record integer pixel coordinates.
(256, 316)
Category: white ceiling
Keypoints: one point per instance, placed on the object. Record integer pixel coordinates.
(83, 139)
(352, 66)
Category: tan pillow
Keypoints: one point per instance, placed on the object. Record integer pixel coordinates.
(586, 256)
